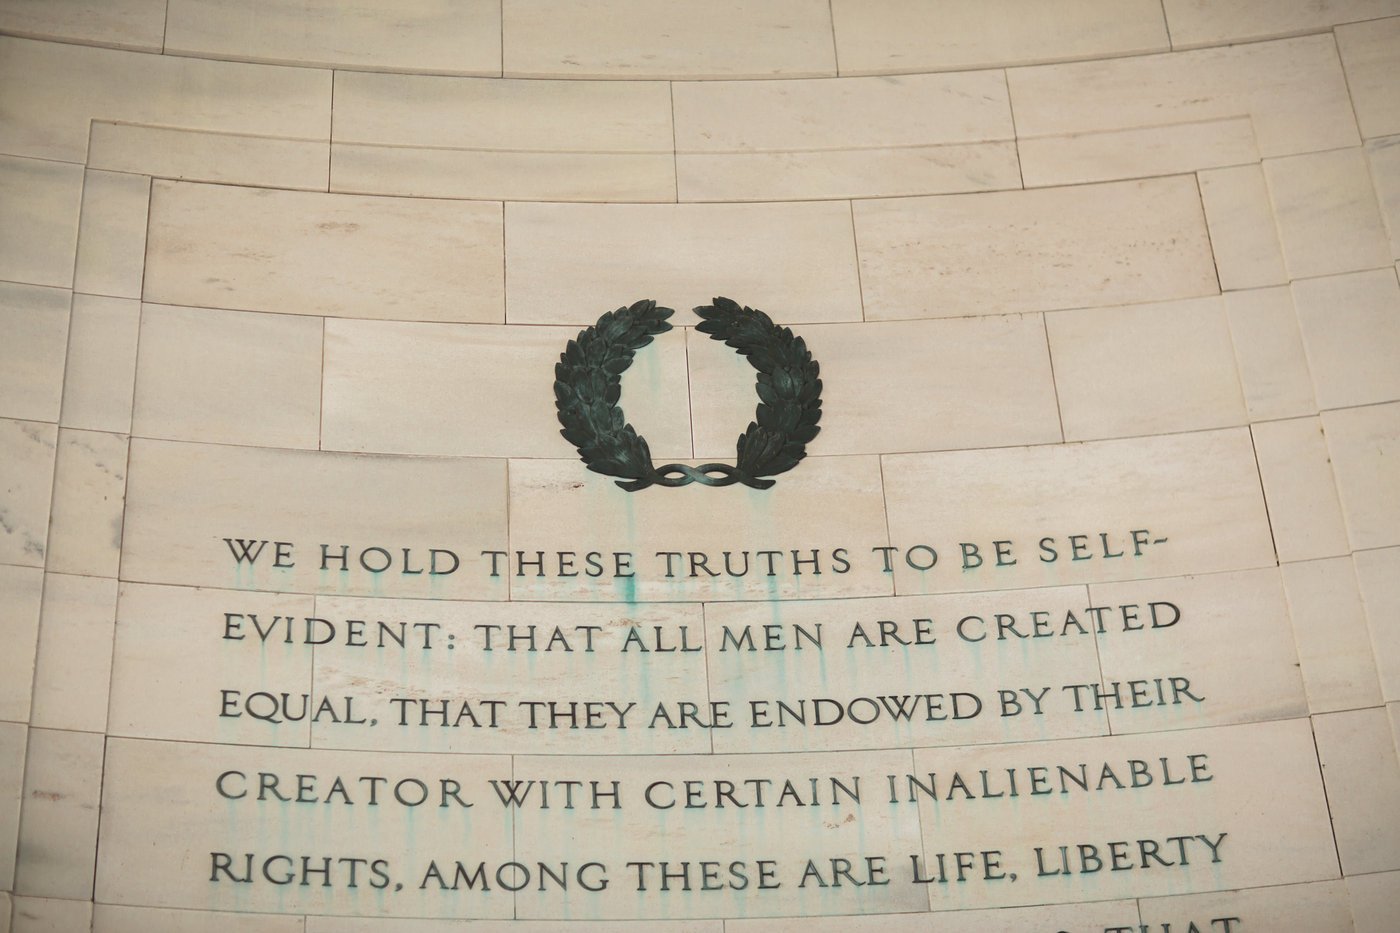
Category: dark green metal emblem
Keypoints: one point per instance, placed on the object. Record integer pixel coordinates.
(588, 386)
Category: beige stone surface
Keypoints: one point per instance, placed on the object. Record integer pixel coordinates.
(1325, 205)
(961, 650)
(1322, 905)
(26, 481)
(1330, 628)
(1363, 442)
(225, 158)
(1089, 916)
(1378, 575)
(35, 321)
(502, 115)
(1384, 157)
(110, 918)
(63, 776)
(568, 263)
(558, 505)
(334, 254)
(13, 740)
(1369, 53)
(101, 372)
(359, 281)
(310, 498)
(1277, 837)
(85, 518)
(429, 136)
(854, 113)
(1216, 22)
(1229, 622)
(891, 36)
(112, 234)
(177, 826)
(1136, 153)
(39, 200)
(51, 91)
(862, 137)
(1145, 369)
(428, 172)
(642, 658)
(846, 173)
(396, 925)
(1038, 250)
(425, 35)
(50, 915)
(786, 835)
(1362, 775)
(232, 377)
(1197, 494)
(175, 652)
(480, 390)
(1299, 489)
(1373, 901)
(1351, 331)
(1273, 365)
(1293, 89)
(1243, 234)
(73, 669)
(931, 372)
(127, 24)
(21, 589)
(683, 39)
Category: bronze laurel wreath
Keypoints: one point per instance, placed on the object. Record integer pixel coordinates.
(588, 386)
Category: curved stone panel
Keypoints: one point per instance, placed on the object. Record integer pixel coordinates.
(1021, 556)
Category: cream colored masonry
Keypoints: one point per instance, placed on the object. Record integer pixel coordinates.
(287, 273)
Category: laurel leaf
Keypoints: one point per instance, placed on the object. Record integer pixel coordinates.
(786, 381)
(588, 389)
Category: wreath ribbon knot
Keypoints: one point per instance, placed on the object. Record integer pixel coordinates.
(588, 388)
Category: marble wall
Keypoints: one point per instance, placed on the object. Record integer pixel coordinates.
(1105, 299)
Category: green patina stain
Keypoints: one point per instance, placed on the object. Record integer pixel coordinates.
(775, 615)
(625, 589)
